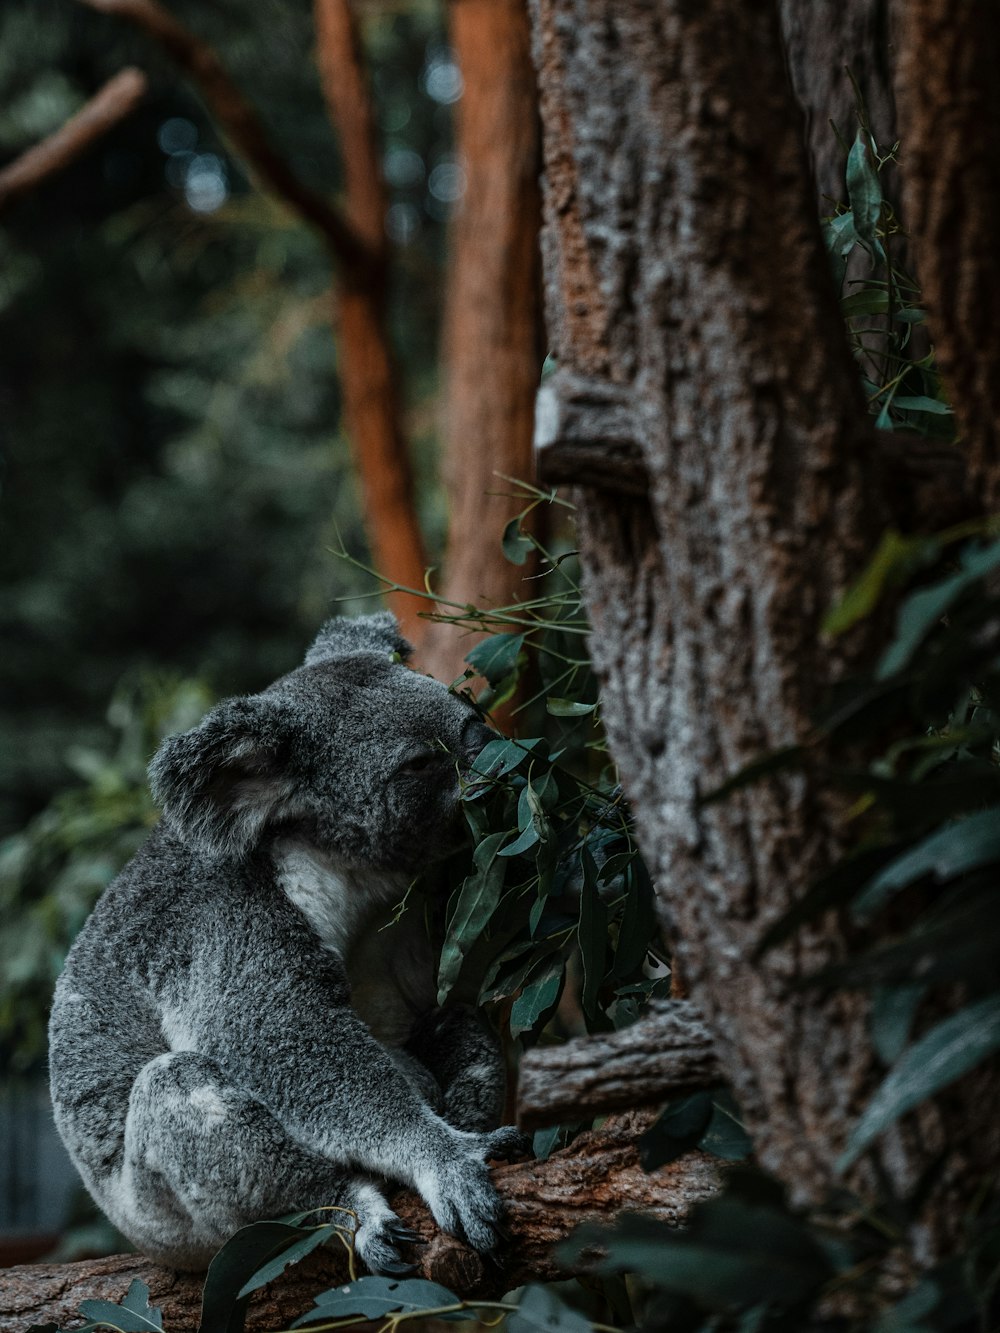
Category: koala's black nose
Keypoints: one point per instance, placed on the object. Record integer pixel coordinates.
(475, 735)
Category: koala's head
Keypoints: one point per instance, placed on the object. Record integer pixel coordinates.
(352, 752)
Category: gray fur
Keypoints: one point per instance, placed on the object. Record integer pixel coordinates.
(233, 1036)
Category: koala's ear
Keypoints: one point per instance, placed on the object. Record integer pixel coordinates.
(344, 635)
(221, 783)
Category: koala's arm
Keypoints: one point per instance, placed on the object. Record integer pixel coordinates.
(281, 1026)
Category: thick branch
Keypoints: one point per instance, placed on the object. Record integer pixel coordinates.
(948, 100)
(590, 1181)
(117, 99)
(662, 1054)
(238, 120)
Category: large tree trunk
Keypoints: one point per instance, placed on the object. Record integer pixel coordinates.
(685, 277)
(492, 327)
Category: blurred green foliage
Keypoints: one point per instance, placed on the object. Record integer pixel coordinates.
(172, 462)
(53, 871)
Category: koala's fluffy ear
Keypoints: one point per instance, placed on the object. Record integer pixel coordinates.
(345, 635)
(221, 783)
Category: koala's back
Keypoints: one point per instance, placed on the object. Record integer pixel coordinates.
(106, 1018)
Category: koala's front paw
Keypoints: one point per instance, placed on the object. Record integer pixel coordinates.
(507, 1144)
(379, 1232)
(462, 1198)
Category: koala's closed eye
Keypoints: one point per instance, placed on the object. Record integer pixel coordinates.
(424, 761)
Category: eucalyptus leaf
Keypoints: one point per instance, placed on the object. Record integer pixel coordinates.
(567, 707)
(964, 845)
(224, 1306)
(677, 1130)
(477, 900)
(376, 1297)
(893, 1011)
(516, 546)
(922, 610)
(495, 658)
(942, 1055)
(865, 194)
(591, 934)
(538, 998)
(133, 1315)
(540, 1310)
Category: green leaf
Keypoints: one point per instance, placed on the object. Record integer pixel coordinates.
(223, 1307)
(591, 934)
(515, 544)
(891, 561)
(725, 1135)
(965, 845)
(893, 1011)
(638, 923)
(677, 1130)
(567, 707)
(531, 821)
(942, 1055)
(538, 998)
(476, 903)
(496, 657)
(920, 403)
(733, 1254)
(498, 758)
(540, 1310)
(865, 194)
(375, 1297)
(274, 1268)
(922, 611)
(870, 301)
(134, 1315)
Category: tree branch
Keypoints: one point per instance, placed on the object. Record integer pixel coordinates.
(592, 1180)
(664, 1053)
(117, 99)
(240, 122)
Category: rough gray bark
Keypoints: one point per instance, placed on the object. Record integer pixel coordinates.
(667, 1052)
(684, 267)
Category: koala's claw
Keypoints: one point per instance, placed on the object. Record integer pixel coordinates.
(507, 1143)
(400, 1269)
(405, 1235)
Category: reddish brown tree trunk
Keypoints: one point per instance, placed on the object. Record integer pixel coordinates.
(370, 379)
(491, 345)
(685, 277)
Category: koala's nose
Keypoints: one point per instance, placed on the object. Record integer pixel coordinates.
(475, 735)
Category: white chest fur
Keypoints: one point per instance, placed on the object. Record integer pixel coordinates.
(390, 966)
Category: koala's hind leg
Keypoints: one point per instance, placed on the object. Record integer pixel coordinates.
(465, 1058)
(203, 1158)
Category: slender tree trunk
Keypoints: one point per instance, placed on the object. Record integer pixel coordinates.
(685, 275)
(492, 326)
(370, 379)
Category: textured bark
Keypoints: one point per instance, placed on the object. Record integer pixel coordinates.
(369, 376)
(667, 1052)
(590, 1181)
(684, 265)
(949, 112)
(492, 326)
(823, 39)
(111, 104)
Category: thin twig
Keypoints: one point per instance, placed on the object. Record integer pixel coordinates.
(241, 124)
(117, 99)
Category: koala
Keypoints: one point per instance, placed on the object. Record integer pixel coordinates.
(233, 1036)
